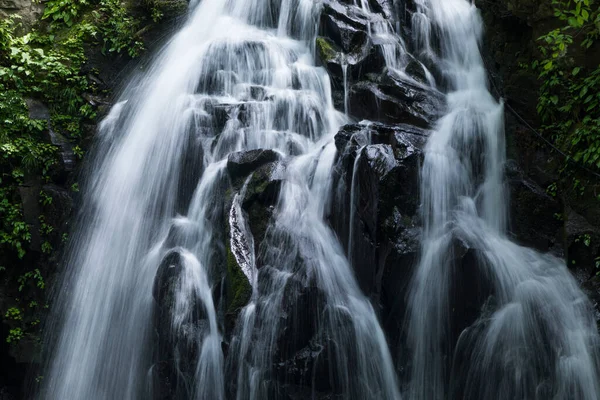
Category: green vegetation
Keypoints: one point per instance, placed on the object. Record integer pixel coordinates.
(569, 101)
(48, 65)
(326, 49)
(239, 291)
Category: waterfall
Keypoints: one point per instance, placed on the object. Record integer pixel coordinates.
(143, 299)
(534, 336)
(252, 62)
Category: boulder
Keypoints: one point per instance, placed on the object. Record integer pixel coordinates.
(243, 163)
(249, 217)
(382, 161)
(392, 99)
(346, 26)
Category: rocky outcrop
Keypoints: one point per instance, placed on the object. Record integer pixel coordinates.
(377, 200)
(392, 99)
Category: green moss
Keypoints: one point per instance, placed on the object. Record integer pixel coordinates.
(239, 289)
(326, 49)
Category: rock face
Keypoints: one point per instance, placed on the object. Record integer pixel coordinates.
(377, 200)
(29, 11)
(535, 215)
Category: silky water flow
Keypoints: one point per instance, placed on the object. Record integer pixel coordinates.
(229, 52)
(154, 197)
(535, 336)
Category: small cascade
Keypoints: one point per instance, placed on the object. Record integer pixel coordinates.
(525, 330)
(354, 188)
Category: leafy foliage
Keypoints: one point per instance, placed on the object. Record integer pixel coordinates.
(570, 92)
(46, 65)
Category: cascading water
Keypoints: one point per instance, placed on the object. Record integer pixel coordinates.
(143, 294)
(249, 60)
(535, 336)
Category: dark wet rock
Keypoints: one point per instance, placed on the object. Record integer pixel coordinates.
(40, 111)
(392, 99)
(470, 288)
(243, 163)
(30, 201)
(57, 209)
(535, 215)
(249, 224)
(301, 310)
(307, 368)
(346, 26)
(223, 113)
(67, 156)
(385, 234)
(261, 195)
(416, 70)
(363, 60)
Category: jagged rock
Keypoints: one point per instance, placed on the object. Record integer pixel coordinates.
(346, 26)
(363, 60)
(247, 228)
(386, 198)
(29, 11)
(261, 194)
(416, 70)
(222, 113)
(393, 99)
(243, 163)
(37, 109)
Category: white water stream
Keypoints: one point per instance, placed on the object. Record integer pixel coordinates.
(240, 75)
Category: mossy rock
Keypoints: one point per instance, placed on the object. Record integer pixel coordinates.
(327, 50)
(239, 289)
